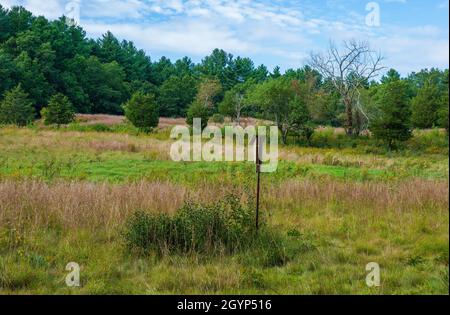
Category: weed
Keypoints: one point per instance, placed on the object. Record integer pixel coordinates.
(194, 228)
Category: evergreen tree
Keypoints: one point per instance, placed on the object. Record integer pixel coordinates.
(16, 108)
(390, 76)
(59, 111)
(142, 111)
(392, 121)
(276, 73)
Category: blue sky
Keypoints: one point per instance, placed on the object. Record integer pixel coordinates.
(412, 34)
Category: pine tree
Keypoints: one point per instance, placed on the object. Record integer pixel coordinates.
(16, 108)
(392, 122)
(59, 111)
(143, 111)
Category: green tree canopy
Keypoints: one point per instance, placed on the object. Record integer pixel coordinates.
(426, 105)
(234, 102)
(176, 94)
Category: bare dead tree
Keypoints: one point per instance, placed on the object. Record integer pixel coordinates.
(348, 69)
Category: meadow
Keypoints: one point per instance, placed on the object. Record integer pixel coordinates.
(68, 194)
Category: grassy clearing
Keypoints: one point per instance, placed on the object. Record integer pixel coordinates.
(67, 195)
(94, 156)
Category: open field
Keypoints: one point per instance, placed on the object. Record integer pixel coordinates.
(66, 196)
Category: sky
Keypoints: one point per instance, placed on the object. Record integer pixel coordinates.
(410, 34)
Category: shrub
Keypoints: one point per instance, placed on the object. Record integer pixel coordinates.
(198, 110)
(59, 111)
(16, 108)
(99, 128)
(324, 138)
(218, 118)
(226, 226)
(429, 140)
(142, 111)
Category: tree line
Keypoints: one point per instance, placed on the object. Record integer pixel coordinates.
(52, 64)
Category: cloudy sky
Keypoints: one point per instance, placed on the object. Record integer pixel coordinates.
(411, 34)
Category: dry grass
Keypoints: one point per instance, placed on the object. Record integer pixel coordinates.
(37, 204)
(108, 120)
(399, 196)
(164, 123)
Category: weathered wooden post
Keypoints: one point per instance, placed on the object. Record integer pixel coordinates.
(258, 174)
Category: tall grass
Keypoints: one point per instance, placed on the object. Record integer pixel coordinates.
(37, 204)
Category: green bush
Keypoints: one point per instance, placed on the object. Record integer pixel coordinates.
(59, 111)
(16, 108)
(142, 111)
(429, 140)
(328, 138)
(198, 110)
(226, 226)
(218, 118)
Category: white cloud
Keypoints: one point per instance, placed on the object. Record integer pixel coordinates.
(187, 37)
(9, 3)
(51, 9)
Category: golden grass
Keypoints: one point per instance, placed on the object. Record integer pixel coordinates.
(38, 204)
(378, 196)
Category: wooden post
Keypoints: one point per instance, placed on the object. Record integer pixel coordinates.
(258, 184)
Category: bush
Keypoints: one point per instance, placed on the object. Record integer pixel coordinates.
(226, 226)
(326, 138)
(198, 110)
(429, 140)
(16, 108)
(142, 111)
(59, 111)
(218, 118)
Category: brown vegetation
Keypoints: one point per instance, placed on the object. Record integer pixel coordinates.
(35, 204)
